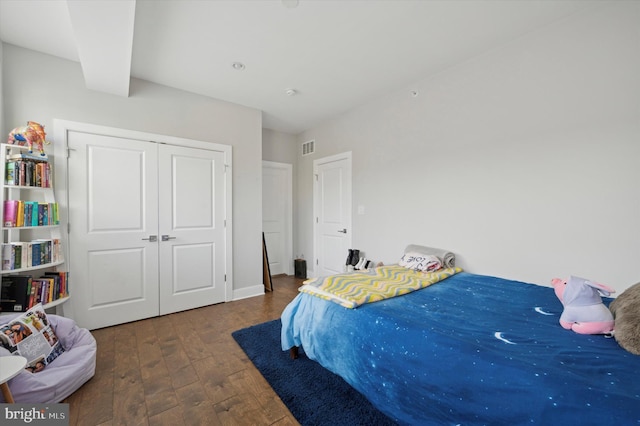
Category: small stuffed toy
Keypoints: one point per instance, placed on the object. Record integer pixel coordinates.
(31, 134)
(584, 311)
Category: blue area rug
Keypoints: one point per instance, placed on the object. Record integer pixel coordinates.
(313, 394)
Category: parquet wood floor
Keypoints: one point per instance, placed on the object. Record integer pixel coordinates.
(184, 369)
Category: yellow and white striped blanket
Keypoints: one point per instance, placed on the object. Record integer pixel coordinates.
(355, 289)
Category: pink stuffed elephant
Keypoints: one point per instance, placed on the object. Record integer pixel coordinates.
(584, 311)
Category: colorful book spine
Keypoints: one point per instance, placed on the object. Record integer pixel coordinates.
(10, 173)
(10, 212)
(16, 256)
(36, 255)
(61, 288)
(21, 292)
(20, 214)
(24, 171)
(28, 248)
(32, 296)
(34, 213)
(6, 257)
(45, 214)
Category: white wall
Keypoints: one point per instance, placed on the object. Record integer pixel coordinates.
(40, 87)
(523, 161)
(278, 146)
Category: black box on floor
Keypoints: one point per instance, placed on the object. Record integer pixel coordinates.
(300, 267)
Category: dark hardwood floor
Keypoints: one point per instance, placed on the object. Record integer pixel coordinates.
(184, 369)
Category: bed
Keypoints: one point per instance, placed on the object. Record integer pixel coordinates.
(468, 349)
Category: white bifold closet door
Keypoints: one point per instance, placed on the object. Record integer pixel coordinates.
(146, 231)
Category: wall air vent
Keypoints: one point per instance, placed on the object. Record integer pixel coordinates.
(308, 147)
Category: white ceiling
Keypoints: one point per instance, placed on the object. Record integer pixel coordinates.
(335, 54)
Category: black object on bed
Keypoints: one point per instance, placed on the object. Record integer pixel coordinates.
(470, 349)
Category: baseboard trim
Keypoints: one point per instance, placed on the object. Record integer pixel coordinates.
(245, 293)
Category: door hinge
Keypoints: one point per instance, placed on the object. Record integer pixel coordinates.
(68, 227)
(316, 261)
(225, 278)
(316, 177)
(316, 219)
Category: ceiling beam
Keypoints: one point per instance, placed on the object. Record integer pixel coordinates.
(104, 35)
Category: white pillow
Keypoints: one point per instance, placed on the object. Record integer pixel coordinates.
(420, 262)
(31, 335)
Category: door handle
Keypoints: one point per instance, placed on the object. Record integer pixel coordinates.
(167, 238)
(343, 230)
(152, 238)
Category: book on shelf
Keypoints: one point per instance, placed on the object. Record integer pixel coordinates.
(20, 213)
(15, 293)
(28, 254)
(6, 257)
(22, 292)
(10, 173)
(46, 250)
(43, 214)
(32, 210)
(49, 288)
(9, 213)
(62, 282)
(28, 173)
(16, 254)
(36, 255)
(11, 256)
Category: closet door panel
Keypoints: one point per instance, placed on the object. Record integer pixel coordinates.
(191, 218)
(113, 210)
(189, 257)
(193, 189)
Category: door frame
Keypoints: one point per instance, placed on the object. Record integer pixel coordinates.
(288, 168)
(61, 175)
(316, 204)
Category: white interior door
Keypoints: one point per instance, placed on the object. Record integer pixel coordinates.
(332, 205)
(192, 222)
(277, 216)
(113, 210)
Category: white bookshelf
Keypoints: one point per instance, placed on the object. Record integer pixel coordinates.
(11, 191)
